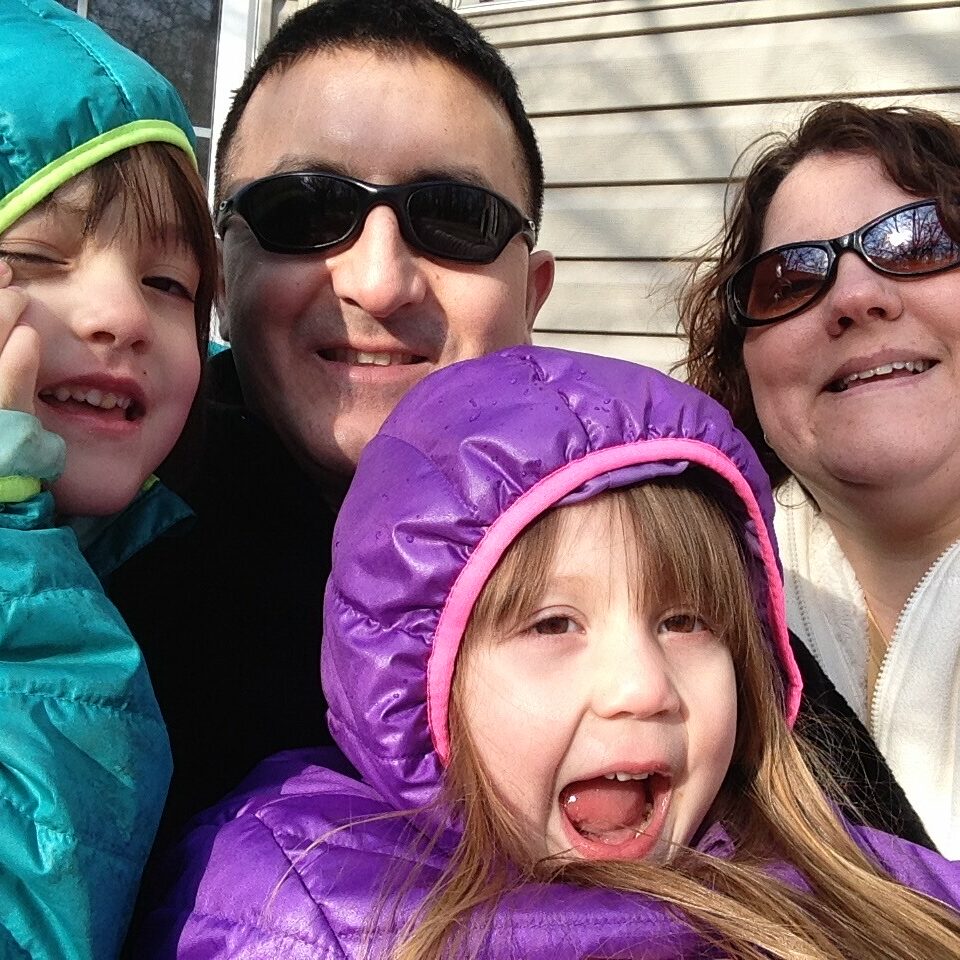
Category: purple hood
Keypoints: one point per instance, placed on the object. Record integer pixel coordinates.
(433, 508)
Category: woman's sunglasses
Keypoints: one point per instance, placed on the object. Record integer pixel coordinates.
(309, 212)
(910, 241)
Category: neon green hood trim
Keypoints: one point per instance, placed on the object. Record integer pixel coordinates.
(72, 96)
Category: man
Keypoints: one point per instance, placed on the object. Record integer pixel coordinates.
(336, 300)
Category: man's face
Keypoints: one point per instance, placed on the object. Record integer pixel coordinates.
(327, 343)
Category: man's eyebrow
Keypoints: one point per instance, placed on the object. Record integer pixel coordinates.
(460, 174)
(298, 163)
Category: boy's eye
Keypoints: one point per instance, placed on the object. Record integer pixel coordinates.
(25, 258)
(169, 285)
(683, 623)
(553, 626)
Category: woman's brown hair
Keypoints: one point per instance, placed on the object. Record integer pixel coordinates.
(770, 803)
(918, 150)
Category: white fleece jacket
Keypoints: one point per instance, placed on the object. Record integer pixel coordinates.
(915, 714)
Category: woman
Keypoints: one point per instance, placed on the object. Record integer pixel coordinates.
(830, 326)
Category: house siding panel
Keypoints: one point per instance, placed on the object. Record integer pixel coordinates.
(643, 108)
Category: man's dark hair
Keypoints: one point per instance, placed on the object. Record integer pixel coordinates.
(389, 28)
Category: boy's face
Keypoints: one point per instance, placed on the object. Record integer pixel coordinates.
(119, 363)
(607, 729)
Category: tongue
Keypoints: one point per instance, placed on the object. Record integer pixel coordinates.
(607, 810)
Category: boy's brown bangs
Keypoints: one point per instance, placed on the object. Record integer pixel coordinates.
(157, 185)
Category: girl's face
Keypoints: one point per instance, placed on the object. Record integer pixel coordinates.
(606, 724)
(119, 364)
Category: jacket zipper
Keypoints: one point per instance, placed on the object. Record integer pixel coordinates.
(881, 673)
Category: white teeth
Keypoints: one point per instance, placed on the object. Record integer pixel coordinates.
(913, 366)
(92, 396)
(376, 359)
(623, 777)
(363, 358)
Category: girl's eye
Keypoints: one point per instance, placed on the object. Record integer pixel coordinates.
(683, 623)
(168, 285)
(554, 626)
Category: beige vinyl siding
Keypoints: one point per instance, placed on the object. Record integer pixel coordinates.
(642, 108)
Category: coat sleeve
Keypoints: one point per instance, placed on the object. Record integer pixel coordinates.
(914, 866)
(84, 756)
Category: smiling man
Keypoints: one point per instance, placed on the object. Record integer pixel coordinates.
(338, 296)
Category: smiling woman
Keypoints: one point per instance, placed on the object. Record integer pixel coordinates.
(828, 326)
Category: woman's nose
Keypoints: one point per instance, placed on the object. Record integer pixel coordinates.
(860, 294)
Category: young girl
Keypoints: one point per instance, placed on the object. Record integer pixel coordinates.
(555, 652)
(107, 266)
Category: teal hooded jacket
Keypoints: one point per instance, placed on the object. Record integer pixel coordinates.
(84, 756)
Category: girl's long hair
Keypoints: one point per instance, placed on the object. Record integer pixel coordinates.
(770, 803)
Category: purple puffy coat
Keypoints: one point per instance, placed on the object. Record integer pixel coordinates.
(468, 458)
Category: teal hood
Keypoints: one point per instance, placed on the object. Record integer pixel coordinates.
(72, 96)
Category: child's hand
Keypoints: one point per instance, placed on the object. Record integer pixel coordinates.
(19, 349)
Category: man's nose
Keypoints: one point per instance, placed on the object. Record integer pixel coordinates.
(634, 678)
(379, 272)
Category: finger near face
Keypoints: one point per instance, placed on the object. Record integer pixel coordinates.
(19, 364)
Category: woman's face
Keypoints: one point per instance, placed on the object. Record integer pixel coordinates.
(897, 426)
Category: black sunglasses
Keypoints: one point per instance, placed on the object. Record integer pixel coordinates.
(910, 241)
(310, 211)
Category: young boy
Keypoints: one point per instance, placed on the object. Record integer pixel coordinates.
(107, 267)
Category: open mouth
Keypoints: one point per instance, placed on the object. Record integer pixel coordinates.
(361, 358)
(896, 369)
(616, 816)
(88, 400)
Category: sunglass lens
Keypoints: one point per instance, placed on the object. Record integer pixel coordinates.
(302, 213)
(912, 241)
(459, 222)
(781, 282)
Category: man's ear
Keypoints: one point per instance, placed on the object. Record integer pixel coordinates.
(540, 274)
(219, 298)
